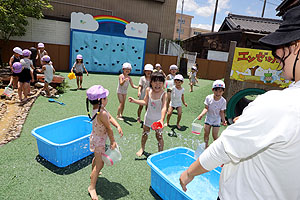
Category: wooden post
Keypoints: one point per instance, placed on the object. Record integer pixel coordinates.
(228, 68)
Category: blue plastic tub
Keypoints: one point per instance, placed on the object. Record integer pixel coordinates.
(166, 168)
(64, 142)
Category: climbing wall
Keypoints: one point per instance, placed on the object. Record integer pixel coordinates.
(106, 42)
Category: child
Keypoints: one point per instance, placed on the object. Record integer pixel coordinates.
(158, 69)
(41, 52)
(173, 70)
(143, 84)
(177, 98)
(17, 69)
(124, 80)
(79, 66)
(27, 72)
(48, 70)
(193, 77)
(101, 120)
(16, 57)
(215, 106)
(155, 100)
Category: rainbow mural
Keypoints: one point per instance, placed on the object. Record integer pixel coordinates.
(110, 19)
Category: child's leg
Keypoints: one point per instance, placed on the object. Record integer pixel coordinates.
(77, 79)
(215, 131)
(93, 166)
(46, 87)
(139, 111)
(122, 98)
(160, 140)
(170, 111)
(179, 114)
(25, 90)
(146, 131)
(168, 99)
(191, 84)
(20, 88)
(94, 175)
(15, 82)
(206, 134)
(80, 85)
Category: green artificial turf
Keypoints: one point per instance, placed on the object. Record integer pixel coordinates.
(26, 175)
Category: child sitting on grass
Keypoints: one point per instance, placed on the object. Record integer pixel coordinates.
(155, 100)
(215, 106)
(97, 96)
(177, 98)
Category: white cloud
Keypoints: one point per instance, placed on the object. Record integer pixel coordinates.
(252, 12)
(207, 26)
(136, 30)
(200, 9)
(83, 22)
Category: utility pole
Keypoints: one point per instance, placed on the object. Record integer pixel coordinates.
(263, 11)
(215, 14)
(180, 20)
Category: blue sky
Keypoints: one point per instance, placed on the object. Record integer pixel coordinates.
(203, 10)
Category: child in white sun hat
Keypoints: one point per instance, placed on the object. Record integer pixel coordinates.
(41, 52)
(177, 99)
(158, 69)
(215, 106)
(193, 77)
(144, 83)
(124, 80)
(173, 70)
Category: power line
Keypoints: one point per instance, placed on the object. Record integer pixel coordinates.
(270, 3)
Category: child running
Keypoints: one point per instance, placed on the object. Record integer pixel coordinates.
(158, 69)
(144, 83)
(16, 57)
(215, 106)
(79, 67)
(48, 70)
(155, 100)
(193, 77)
(101, 119)
(177, 98)
(173, 70)
(124, 80)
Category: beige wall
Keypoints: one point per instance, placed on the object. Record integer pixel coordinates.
(196, 31)
(185, 26)
(158, 14)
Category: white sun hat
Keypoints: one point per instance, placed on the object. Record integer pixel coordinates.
(41, 45)
(173, 67)
(218, 84)
(157, 65)
(178, 77)
(148, 67)
(18, 50)
(126, 66)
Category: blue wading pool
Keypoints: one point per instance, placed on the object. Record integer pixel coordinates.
(166, 168)
(64, 142)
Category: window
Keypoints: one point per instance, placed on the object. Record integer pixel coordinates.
(182, 30)
(182, 22)
(197, 33)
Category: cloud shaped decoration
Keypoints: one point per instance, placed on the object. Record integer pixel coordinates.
(139, 30)
(82, 21)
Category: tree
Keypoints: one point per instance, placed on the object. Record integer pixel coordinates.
(14, 13)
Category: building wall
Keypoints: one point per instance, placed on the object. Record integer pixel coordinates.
(158, 14)
(185, 26)
(197, 31)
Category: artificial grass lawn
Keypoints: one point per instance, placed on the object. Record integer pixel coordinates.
(25, 175)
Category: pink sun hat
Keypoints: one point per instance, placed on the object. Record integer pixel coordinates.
(17, 67)
(97, 92)
(79, 57)
(26, 52)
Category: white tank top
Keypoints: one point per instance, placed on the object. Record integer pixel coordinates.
(153, 112)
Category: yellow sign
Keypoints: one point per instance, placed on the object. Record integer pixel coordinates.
(257, 66)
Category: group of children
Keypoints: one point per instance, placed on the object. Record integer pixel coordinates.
(23, 69)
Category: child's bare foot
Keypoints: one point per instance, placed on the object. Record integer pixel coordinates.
(166, 124)
(178, 126)
(138, 120)
(140, 153)
(120, 118)
(93, 193)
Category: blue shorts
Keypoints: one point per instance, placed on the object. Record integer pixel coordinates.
(213, 125)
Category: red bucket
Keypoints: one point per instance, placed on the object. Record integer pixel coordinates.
(156, 125)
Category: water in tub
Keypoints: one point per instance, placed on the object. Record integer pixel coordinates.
(202, 187)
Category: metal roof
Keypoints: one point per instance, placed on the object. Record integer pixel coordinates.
(250, 24)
